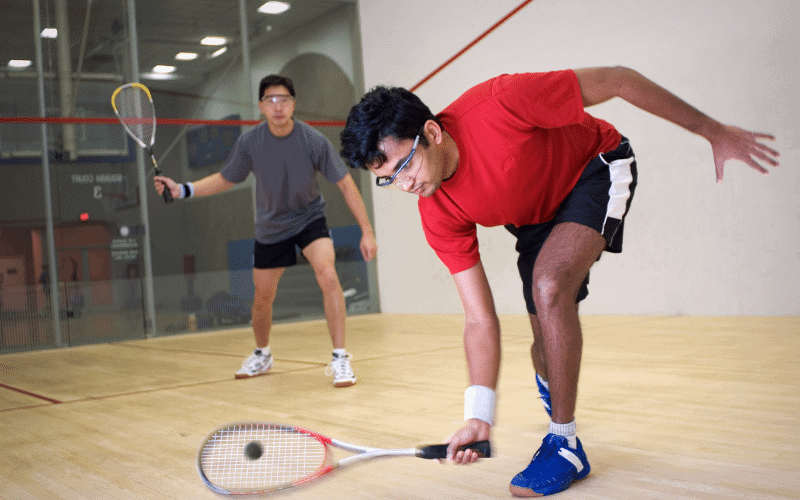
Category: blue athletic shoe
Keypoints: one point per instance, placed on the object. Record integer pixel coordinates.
(544, 393)
(553, 469)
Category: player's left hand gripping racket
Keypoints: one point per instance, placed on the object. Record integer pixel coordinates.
(285, 456)
(133, 105)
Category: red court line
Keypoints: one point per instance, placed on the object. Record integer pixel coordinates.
(109, 396)
(159, 121)
(39, 396)
(471, 44)
(139, 392)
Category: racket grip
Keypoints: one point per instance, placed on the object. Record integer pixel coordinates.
(167, 194)
(483, 448)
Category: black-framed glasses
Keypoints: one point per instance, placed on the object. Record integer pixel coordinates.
(385, 181)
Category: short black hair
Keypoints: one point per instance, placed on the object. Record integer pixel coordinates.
(273, 80)
(382, 112)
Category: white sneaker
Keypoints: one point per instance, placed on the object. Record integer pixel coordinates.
(339, 367)
(256, 364)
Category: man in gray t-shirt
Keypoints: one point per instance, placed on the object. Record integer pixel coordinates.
(285, 155)
(287, 194)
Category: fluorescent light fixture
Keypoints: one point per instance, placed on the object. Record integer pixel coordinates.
(186, 56)
(158, 76)
(214, 40)
(160, 68)
(274, 7)
(49, 33)
(19, 63)
(219, 52)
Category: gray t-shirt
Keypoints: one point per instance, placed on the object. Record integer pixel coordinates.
(287, 194)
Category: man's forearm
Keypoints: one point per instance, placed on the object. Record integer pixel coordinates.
(355, 203)
(651, 97)
(600, 84)
(482, 350)
(211, 185)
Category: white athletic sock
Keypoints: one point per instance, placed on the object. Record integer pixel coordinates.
(542, 381)
(264, 351)
(338, 353)
(567, 431)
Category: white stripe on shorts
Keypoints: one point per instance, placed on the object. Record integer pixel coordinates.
(620, 191)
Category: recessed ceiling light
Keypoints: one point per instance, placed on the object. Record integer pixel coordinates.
(213, 40)
(274, 7)
(219, 52)
(160, 68)
(186, 56)
(49, 33)
(19, 63)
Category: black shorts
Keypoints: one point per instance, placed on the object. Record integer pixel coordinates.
(283, 253)
(600, 200)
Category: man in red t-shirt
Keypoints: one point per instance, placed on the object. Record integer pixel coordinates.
(520, 151)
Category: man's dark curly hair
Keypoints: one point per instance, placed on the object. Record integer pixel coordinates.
(383, 112)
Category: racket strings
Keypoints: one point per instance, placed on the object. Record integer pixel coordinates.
(137, 114)
(288, 457)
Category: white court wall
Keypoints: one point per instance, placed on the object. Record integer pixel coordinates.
(691, 247)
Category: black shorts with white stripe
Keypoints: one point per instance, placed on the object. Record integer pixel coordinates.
(600, 200)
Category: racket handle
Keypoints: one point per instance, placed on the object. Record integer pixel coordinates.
(167, 194)
(483, 448)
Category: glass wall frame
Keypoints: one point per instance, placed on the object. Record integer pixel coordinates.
(88, 251)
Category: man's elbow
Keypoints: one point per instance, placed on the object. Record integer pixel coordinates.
(613, 79)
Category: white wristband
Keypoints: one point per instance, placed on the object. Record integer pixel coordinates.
(187, 190)
(479, 402)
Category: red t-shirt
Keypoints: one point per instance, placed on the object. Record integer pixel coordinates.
(523, 141)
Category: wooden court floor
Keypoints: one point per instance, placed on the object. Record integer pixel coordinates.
(669, 408)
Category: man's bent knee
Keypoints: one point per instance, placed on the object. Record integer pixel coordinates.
(550, 291)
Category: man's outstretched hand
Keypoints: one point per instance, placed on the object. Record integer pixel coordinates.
(733, 143)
